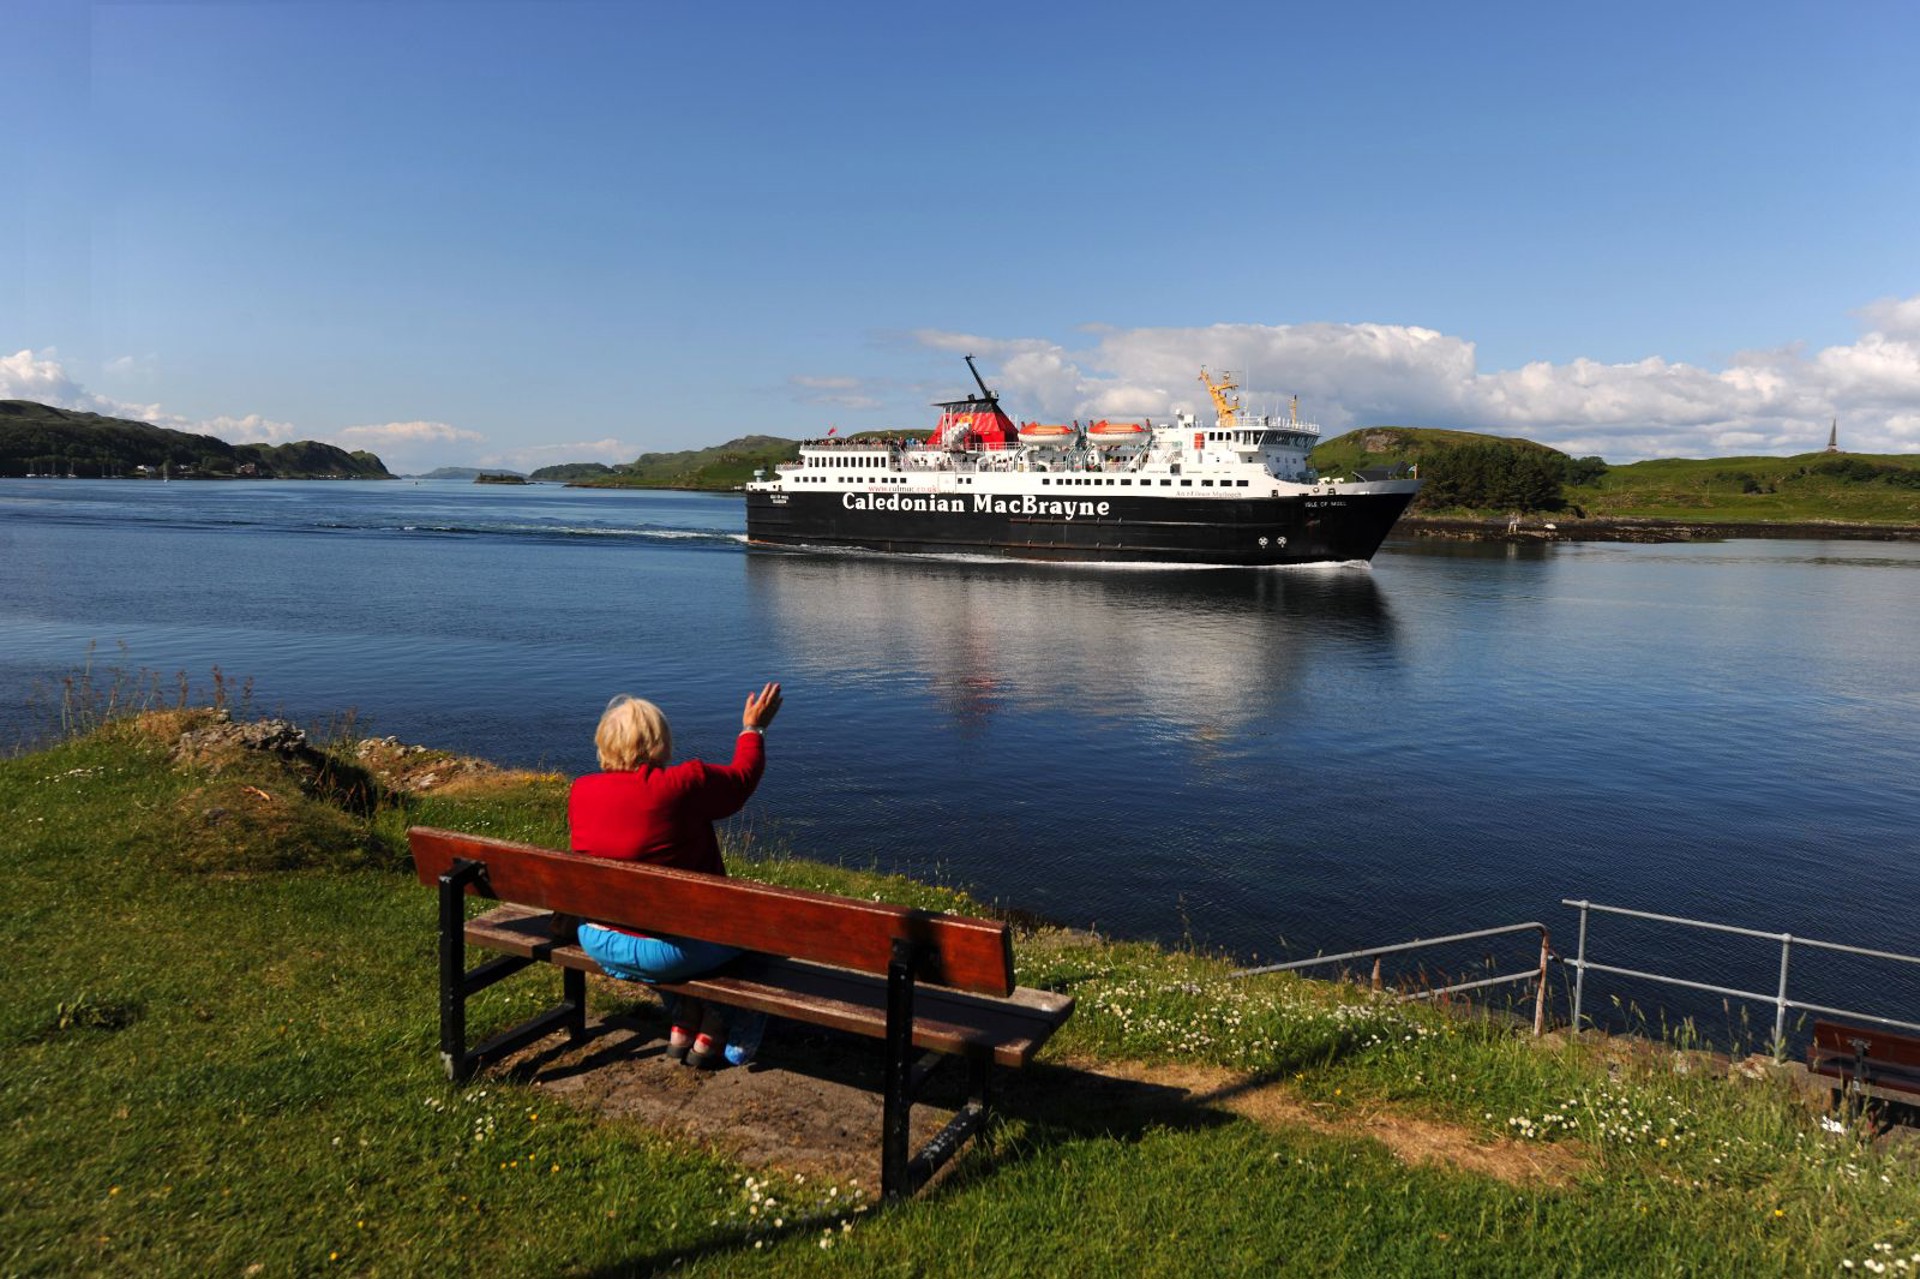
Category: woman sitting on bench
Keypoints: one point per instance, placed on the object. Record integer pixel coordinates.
(642, 809)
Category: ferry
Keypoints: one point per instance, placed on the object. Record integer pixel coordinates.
(1238, 492)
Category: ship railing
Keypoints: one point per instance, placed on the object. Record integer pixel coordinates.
(1536, 975)
(1780, 999)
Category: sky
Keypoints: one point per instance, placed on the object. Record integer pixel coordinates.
(512, 234)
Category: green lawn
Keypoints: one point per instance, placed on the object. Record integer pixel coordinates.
(217, 1053)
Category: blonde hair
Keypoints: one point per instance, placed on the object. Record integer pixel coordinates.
(632, 732)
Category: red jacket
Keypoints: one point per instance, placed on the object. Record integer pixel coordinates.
(664, 816)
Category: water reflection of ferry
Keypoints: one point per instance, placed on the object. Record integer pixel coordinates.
(1241, 492)
(1184, 648)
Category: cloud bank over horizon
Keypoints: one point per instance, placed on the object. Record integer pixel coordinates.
(1774, 401)
(1779, 401)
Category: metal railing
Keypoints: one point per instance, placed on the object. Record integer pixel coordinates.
(1535, 975)
(1779, 999)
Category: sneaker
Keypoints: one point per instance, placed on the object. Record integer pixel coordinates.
(743, 1038)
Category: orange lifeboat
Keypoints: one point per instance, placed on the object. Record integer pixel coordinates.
(1044, 433)
(1105, 434)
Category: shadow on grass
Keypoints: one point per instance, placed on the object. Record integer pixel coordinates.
(1039, 1111)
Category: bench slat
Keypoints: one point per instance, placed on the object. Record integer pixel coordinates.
(967, 954)
(1010, 1029)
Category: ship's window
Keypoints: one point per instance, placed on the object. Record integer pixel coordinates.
(1126, 483)
(1044, 481)
(1241, 483)
(1166, 484)
(1186, 484)
(1206, 484)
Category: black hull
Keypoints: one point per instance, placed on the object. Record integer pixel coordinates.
(1251, 532)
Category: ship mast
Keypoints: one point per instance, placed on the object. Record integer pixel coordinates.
(1223, 406)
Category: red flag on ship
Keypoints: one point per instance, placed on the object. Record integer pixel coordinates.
(833, 430)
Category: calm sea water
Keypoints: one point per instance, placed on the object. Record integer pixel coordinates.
(1275, 763)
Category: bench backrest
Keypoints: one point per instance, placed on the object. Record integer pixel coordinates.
(1884, 1047)
(952, 950)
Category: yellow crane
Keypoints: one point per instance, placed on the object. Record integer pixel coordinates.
(1223, 405)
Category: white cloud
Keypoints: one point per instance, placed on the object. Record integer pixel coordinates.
(837, 391)
(40, 376)
(1775, 401)
(405, 433)
(251, 429)
(536, 456)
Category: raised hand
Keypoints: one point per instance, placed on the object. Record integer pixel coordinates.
(761, 708)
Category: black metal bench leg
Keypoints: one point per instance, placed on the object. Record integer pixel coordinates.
(898, 1084)
(573, 987)
(453, 968)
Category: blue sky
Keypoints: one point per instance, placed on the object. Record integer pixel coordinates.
(511, 233)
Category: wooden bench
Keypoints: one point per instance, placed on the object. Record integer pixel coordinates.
(1869, 1063)
(914, 979)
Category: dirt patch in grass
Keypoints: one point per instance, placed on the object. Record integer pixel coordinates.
(1413, 1139)
(812, 1103)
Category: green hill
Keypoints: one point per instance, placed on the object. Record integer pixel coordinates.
(724, 466)
(1371, 446)
(569, 472)
(1848, 488)
(37, 439)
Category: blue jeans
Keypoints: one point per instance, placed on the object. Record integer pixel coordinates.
(651, 959)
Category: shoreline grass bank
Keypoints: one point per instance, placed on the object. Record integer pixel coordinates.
(217, 1055)
(1560, 526)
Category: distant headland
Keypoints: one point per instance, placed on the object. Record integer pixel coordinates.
(39, 440)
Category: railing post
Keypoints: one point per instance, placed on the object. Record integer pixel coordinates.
(1540, 992)
(1580, 968)
(1780, 1003)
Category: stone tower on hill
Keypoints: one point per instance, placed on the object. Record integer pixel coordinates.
(1833, 437)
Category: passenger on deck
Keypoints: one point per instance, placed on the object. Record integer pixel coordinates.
(641, 808)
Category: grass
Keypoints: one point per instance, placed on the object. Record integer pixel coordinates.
(1752, 490)
(218, 1054)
